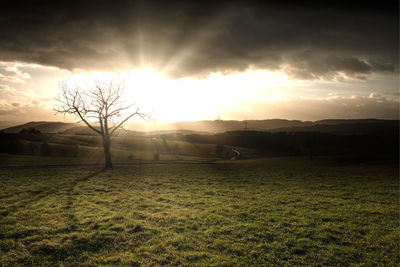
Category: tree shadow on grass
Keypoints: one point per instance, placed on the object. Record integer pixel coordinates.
(40, 194)
(42, 241)
(68, 208)
(75, 240)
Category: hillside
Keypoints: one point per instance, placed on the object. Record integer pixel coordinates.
(42, 126)
(348, 127)
(126, 148)
(186, 126)
(223, 126)
(336, 126)
(377, 138)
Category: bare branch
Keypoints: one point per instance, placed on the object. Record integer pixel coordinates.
(87, 123)
(136, 113)
(102, 102)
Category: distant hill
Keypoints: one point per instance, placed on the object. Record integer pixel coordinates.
(351, 121)
(335, 126)
(81, 130)
(348, 127)
(205, 140)
(223, 126)
(216, 126)
(186, 126)
(42, 126)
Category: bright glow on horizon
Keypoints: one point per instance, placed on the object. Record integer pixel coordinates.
(190, 99)
(28, 91)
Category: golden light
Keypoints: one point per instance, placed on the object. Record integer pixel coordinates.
(188, 99)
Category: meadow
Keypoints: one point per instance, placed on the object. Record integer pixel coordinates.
(56, 149)
(273, 211)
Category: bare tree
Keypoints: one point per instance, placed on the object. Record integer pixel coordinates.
(102, 103)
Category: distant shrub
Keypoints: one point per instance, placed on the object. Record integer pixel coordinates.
(31, 130)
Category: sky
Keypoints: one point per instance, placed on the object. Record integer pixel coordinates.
(200, 60)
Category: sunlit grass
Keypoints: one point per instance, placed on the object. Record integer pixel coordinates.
(261, 212)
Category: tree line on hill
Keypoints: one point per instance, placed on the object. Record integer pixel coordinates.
(32, 142)
(17, 144)
(305, 143)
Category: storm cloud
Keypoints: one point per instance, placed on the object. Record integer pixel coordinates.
(194, 38)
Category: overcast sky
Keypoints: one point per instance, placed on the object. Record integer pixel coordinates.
(238, 59)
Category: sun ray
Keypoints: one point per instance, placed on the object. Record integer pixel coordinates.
(184, 51)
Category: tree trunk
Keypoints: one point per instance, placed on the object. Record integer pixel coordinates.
(107, 152)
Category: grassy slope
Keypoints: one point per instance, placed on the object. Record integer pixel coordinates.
(124, 149)
(263, 212)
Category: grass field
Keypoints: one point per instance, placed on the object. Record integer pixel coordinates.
(66, 149)
(278, 211)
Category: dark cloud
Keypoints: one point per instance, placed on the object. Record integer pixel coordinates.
(309, 39)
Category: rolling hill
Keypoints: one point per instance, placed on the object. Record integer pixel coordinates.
(42, 126)
(335, 126)
(348, 127)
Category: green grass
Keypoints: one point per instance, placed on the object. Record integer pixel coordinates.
(283, 211)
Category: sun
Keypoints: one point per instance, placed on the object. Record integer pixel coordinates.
(193, 98)
(167, 99)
